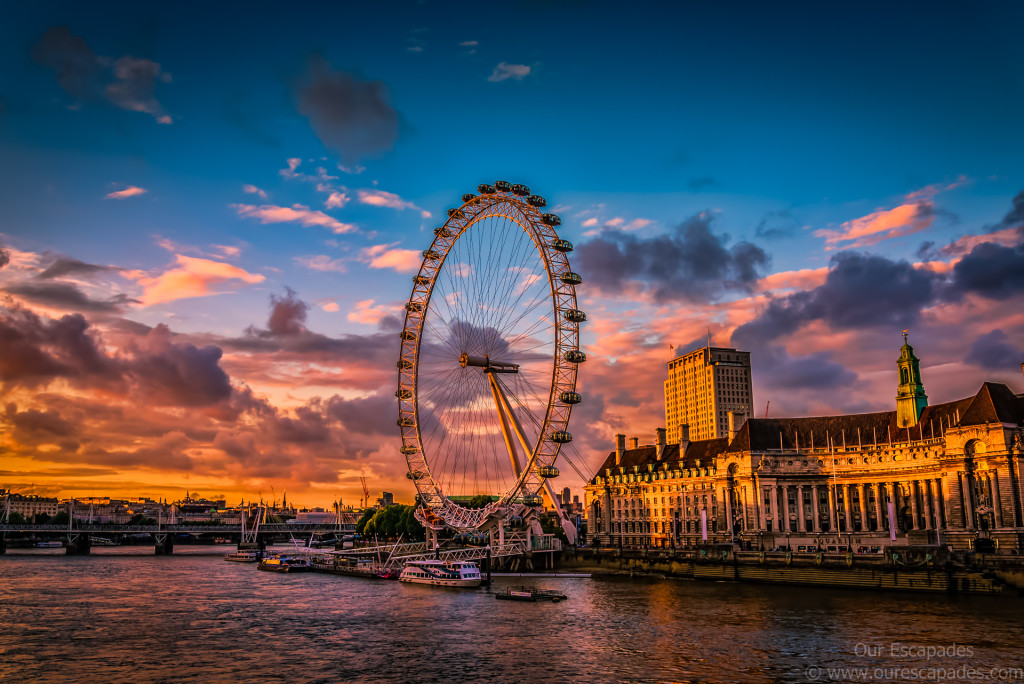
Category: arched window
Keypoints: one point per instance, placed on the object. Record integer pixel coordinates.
(904, 376)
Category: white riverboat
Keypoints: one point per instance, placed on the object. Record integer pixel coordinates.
(244, 557)
(441, 573)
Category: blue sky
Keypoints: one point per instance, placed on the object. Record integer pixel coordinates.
(803, 131)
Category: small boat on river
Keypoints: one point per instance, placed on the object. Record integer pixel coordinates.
(530, 594)
(284, 564)
(442, 573)
(49, 545)
(244, 557)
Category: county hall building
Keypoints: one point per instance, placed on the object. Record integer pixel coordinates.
(947, 474)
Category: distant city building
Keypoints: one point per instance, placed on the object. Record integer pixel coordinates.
(948, 474)
(28, 505)
(386, 499)
(702, 387)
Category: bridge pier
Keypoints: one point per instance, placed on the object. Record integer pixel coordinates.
(164, 543)
(78, 544)
(3, 543)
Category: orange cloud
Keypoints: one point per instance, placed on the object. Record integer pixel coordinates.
(130, 191)
(191, 278)
(380, 198)
(882, 224)
(297, 213)
(382, 256)
(366, 312)
(802, 279)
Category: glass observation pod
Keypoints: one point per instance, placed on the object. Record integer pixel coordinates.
(503, 186)
(569, 397)
(536, 201)
(562, 245)
(404, 364)
(417, 306)
(468, 196)
(561, 437)
(547, 471)
(415, 475)
(575, 356)
(485, 189)
(515, 521)
(532, 500)
(551, 219)
(407, 335)
(455, 212)
(520, 189)
(421, 280)
(570, 278)
(442, 232)
(404, 394)
(430, 254)
(571, 315)
(408, 450)
(405, 422)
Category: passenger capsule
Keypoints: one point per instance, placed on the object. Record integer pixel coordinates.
(407, 335)
(551, 219)
(409, 450)
(443, 232)
(417, 306)
(575, 356)
(467, 197)
(562, 245)
(406, 422)
(570, 278)
(404, 364)
(571, 315)
(547, 471)
(561, 437)
(404, 394)
(503, 186)
(532, 500)
(421, 279)
(485, 189)
(569, 397)
(520, 189)
(414, 475)
(515, 521)
(431, 254)
(455, 212)
(536, 201)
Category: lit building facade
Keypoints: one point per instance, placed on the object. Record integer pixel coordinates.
(948, 474)
(702, 387)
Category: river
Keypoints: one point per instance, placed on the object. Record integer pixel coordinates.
(125, 615)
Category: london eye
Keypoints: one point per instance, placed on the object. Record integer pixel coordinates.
(488, 363)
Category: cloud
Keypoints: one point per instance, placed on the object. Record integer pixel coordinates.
(882, 224)
(331, 307)
(993, 351)
(687, 263)
(776, 225)
(469, 43)
(192, 277)
(253, 190)
(991, 270)
(322, 262)
(287, 314)
(383, 256)
(135, 85)
(66, 266)
(297, 213)
(130, 191)
(336, 200)
(775, 368)
(38, 349)
(380, 198)
(366, 312)
(76, 65)
(5, 256)
(505, 71)
(67, 296)
(590, 222)
(354, 118)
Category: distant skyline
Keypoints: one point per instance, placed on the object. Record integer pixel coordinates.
(211, 217)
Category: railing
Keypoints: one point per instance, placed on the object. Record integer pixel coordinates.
(270, 528)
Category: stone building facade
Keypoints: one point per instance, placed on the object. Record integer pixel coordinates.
(948, 474)
(703, 386)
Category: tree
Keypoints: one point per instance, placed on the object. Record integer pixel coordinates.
(365, 518)
(60, 519)
(550, 524)
(15, 519)
(139, 519)
(479, 501)
(42, 519)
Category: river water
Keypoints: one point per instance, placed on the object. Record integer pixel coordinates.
(125, 615)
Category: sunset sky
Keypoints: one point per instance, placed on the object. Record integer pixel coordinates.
(211, 213)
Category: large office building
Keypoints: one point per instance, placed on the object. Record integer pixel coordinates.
(948, 474)
(702, 387)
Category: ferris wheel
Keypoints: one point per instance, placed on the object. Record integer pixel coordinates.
(487, 370)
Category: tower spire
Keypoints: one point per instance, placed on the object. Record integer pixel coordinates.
(910, 397)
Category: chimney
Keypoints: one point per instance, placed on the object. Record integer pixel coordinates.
(735, 421)
(684, 439)
(660, 432)
(620, 446)
(634, 442)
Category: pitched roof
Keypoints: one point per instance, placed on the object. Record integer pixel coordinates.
(699, 454)
(994, 403)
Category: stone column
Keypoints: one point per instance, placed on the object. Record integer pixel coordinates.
(800, 516)
(926, 501)
(913, 505)
(879, 518)
(847, 509)
(863, 501)
(816, 521)
(785, 506)
(968, 503)
(997, 507)
(746, 510)
(727, 499)
(833, 519)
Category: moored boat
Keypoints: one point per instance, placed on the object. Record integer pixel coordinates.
(442, 573)
(284, 564)
(529, 594)
(244, 557)
(49, 545)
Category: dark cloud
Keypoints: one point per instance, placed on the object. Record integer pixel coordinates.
(354, 118)
(135, 86)
(67, 296)
(374, 414)
(5, 256)
(175, 374)
(687, 263)
(287, 314)
(860, 290)
(77, 66)
(37, 350)
(990, 270)
(31, 424)
(993, 351)
(776, 225)
(775, 368)
(65, 266)
(926, 251)
(1015, 217)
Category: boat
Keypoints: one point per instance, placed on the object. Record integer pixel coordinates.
(49, 545)
(102, 541)
(532, 595)
(284, 564)
(244, 556)
(442, 573)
